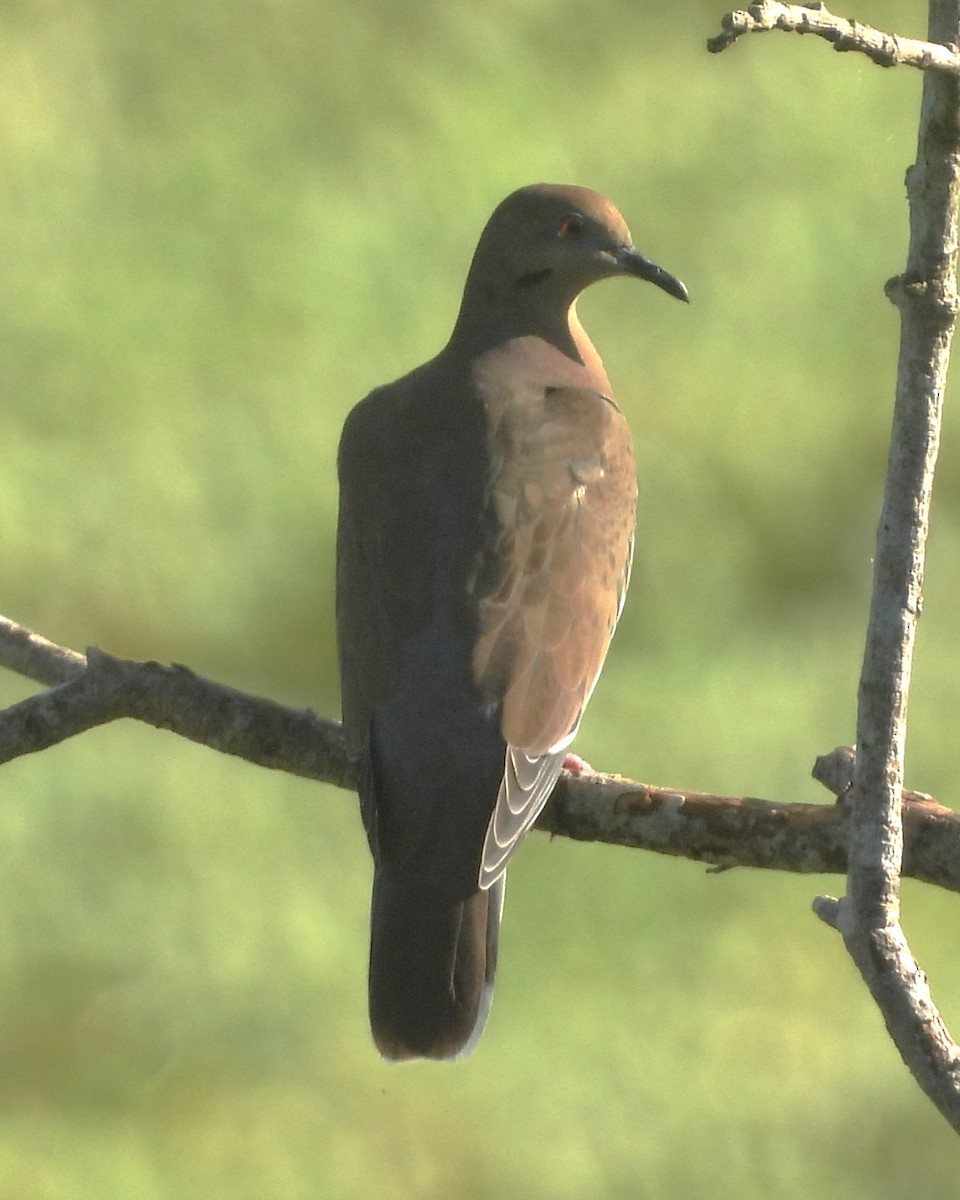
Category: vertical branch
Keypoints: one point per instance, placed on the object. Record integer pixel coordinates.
(869, 915)
(926, 298)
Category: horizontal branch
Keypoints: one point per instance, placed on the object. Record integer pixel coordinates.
(724, 831)
(885, 49)
(103, 688)
(732, 831)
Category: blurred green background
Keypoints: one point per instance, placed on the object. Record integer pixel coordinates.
(221, 225)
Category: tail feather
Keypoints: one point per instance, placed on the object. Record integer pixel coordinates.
(432, 965)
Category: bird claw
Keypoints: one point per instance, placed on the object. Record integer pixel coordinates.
(573, 764)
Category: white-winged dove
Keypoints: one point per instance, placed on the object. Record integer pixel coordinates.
(484, 544)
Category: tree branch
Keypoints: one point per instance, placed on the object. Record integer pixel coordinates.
(885, 49)
(99, 688)
(869, 915)
(29, 654)
(731, 831)
(724, 831)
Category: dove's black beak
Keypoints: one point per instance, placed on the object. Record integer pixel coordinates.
(632, 262)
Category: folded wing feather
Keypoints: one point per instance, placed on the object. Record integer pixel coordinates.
(549, 586)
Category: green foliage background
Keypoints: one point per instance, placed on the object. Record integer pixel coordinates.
(221, 225)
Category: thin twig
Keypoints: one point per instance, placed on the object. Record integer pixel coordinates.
(885, 49)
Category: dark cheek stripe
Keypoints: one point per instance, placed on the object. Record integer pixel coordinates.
(533, 278)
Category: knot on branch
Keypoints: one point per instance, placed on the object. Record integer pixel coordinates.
(934, 298)
(835, 770)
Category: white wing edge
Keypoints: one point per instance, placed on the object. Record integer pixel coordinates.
(525, 788)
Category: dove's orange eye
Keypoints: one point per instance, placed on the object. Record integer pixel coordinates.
(571, 227)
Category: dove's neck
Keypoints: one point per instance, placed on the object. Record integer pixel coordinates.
(490, 318)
